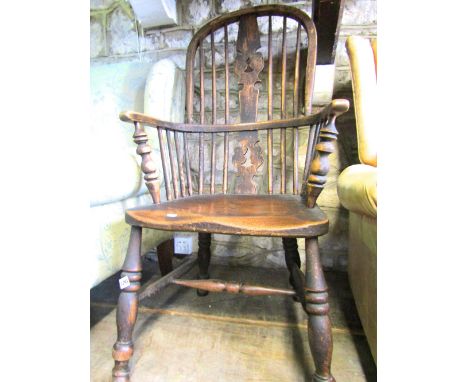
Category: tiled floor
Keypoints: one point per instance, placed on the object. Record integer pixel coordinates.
(231, 338)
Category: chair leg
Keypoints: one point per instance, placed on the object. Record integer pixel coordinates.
(165, 253)
(204, 256)
(127, 308)
(317, 308)
(291, 256)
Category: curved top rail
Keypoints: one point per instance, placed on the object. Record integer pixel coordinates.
(261, 10)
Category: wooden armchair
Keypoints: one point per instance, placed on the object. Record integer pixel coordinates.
(235, 203)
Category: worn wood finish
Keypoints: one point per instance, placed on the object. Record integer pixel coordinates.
(275, 214)
(204, 256)
(187, 166)
(296, 112)
(226, 110)
(162, 148)
(213, 115)
(175, 186)
(213, 285)
(320, 164)
(270, 107)
(327, 19)
(317, 308)
(165, 252)
(147, 164)
(157, 285)
(283, 109)
(293, 263)
(254, 215)
(201, 152)
(127, 308)
(247, 66)
(249, 160)
(336, 107)
(180, 163)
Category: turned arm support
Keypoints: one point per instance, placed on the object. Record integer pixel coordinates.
(148, 166)
(320, 165)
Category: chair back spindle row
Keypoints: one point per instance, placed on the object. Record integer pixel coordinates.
(247, 65)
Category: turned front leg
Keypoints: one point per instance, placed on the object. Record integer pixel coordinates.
(317, 308)
(204, 256)
(127, 308)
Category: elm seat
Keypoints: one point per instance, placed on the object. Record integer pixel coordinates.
(255, 215)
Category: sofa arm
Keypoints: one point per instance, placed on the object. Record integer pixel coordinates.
(357, 189)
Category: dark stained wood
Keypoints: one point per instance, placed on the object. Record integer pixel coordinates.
(270, 70)
(213, 81)
(248, 156)
(147, 164)
(201, 153)
(270, 107)
(313, 131)
(127, 308)
(213, 115)
(213, 163)
(295, 161)
(317, 308)
(213, 285)
(243, 213)
(180, 163)
(296, 112)
(258, 215)
(337, 107)
(157, 285)
(165, 252)
(167, 182)
(327, 20)
(201, 164)
(270, 160)
(283, 159)
(204, 256)
(297, 63)
(293, 262)
(320, 164)
(175, 186)
(283, 108)
(226, 110)
(187, 166)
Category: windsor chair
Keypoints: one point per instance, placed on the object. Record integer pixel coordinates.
(236, 202)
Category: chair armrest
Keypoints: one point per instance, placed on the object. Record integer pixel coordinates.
(315, 170)
(336, 108)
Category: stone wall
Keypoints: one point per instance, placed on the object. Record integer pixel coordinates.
(115, 36)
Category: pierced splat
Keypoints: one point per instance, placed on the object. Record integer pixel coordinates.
(247, 66)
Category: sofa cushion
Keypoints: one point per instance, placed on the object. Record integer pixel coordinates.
(158, 89)
(357, 189)
(362, 59)
(114, 175)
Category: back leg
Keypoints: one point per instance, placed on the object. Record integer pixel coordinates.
(293, 262)
(204, 256)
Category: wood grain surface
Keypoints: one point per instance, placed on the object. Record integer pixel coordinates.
(257, 215)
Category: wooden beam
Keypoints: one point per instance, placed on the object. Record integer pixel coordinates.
(327, 18)
(159, 284)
